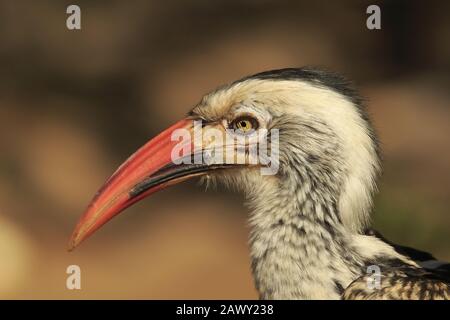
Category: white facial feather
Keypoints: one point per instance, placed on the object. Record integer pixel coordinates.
(307, 100)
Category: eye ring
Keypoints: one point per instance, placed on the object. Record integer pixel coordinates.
(244, 124)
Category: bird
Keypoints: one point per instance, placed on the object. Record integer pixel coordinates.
(310, 220)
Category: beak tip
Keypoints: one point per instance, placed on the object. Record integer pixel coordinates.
(71, 246)
(73, 242)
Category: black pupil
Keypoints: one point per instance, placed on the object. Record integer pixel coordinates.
(243, 124)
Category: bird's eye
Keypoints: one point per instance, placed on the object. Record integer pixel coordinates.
(244, 124)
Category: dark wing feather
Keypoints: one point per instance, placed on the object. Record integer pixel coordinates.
(431, 282)
(424, 259)
(405, 283)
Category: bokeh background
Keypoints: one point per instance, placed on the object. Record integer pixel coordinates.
(75, 104)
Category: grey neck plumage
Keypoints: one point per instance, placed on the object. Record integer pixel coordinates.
(299, 247)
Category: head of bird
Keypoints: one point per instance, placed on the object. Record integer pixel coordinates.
(324, 151)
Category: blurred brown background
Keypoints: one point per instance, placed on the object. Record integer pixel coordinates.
(75, 104)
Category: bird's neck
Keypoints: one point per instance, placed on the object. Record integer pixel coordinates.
(299, 247)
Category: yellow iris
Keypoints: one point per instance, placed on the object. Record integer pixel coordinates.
(244, 125)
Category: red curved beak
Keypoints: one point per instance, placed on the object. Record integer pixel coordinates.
(148, 170)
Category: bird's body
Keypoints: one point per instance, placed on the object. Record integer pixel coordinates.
(310, 221)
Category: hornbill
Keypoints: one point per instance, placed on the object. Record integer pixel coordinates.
(310, 234)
